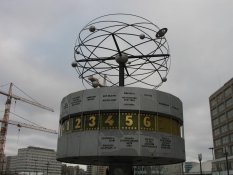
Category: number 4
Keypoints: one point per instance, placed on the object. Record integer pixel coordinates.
(109, 120)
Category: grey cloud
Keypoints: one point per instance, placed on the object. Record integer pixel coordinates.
(36, 49)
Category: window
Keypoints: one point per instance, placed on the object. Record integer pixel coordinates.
(224, 129)
(213, 102)
(214, 111)
(220, 97)
(231, 126)
(221, 107)
(218, 152)
(231, 164)
(231, 137)
(216, 132)
(230, 114)
(215, 122)
(229, 102)
(217, 142)
(228, 92)
(231, 149)
(222, 118)
(225, 140)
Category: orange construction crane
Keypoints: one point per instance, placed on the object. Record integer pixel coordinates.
(26, 125)
(5, 120)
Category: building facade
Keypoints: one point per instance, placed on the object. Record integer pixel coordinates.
(175, 169)
(221, 109)
(96, 170)
(35, 160)
(11, 162)
(72, 170)
(189, 165)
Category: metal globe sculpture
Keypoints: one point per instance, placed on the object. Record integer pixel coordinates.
(140, 44)
(115, 125)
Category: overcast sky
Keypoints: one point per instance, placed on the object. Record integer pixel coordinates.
(36, 49)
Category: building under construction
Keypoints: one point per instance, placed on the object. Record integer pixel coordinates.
(5, 121)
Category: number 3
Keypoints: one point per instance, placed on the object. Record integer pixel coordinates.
(92, 120)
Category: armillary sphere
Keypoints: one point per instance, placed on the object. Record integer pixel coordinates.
(122, 50)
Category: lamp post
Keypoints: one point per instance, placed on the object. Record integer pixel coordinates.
(200, 158)
(226, 156)
(47, 167)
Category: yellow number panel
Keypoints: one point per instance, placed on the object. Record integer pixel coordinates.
(78, 123)
(129, 121)
(91, 121)
(63, 128)
(175, 127)
(123, 121)
(147, 122)
(66, 126)
(109, 121)
(164, 124)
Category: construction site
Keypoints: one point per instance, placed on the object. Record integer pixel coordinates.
(31, 159)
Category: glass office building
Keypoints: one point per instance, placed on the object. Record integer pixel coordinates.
(221, 109)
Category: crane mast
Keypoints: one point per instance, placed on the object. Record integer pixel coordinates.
(4, 126)
(5, 120)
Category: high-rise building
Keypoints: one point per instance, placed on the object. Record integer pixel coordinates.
(174, 169)
(221, 109)
(189, 165)
(72, 170)
(11, 164)
(35, 160)
(96, 170)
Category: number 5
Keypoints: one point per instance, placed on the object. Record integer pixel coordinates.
(128, 120)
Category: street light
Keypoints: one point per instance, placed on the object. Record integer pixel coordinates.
(226, 155)
(47, 167)
(200, 158)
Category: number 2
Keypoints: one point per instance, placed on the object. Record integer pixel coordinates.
(78, 123)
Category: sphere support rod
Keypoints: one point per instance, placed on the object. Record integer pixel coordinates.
(121, 74)
(121, 64)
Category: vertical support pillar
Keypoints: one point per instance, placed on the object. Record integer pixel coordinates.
(121, 169)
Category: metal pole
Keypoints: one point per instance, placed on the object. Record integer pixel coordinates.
(182, 166)
(212, 149)
(121, 64)
(226, 154)
(200, 158)
(47, 168)
(200, 168)
(121, 74)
